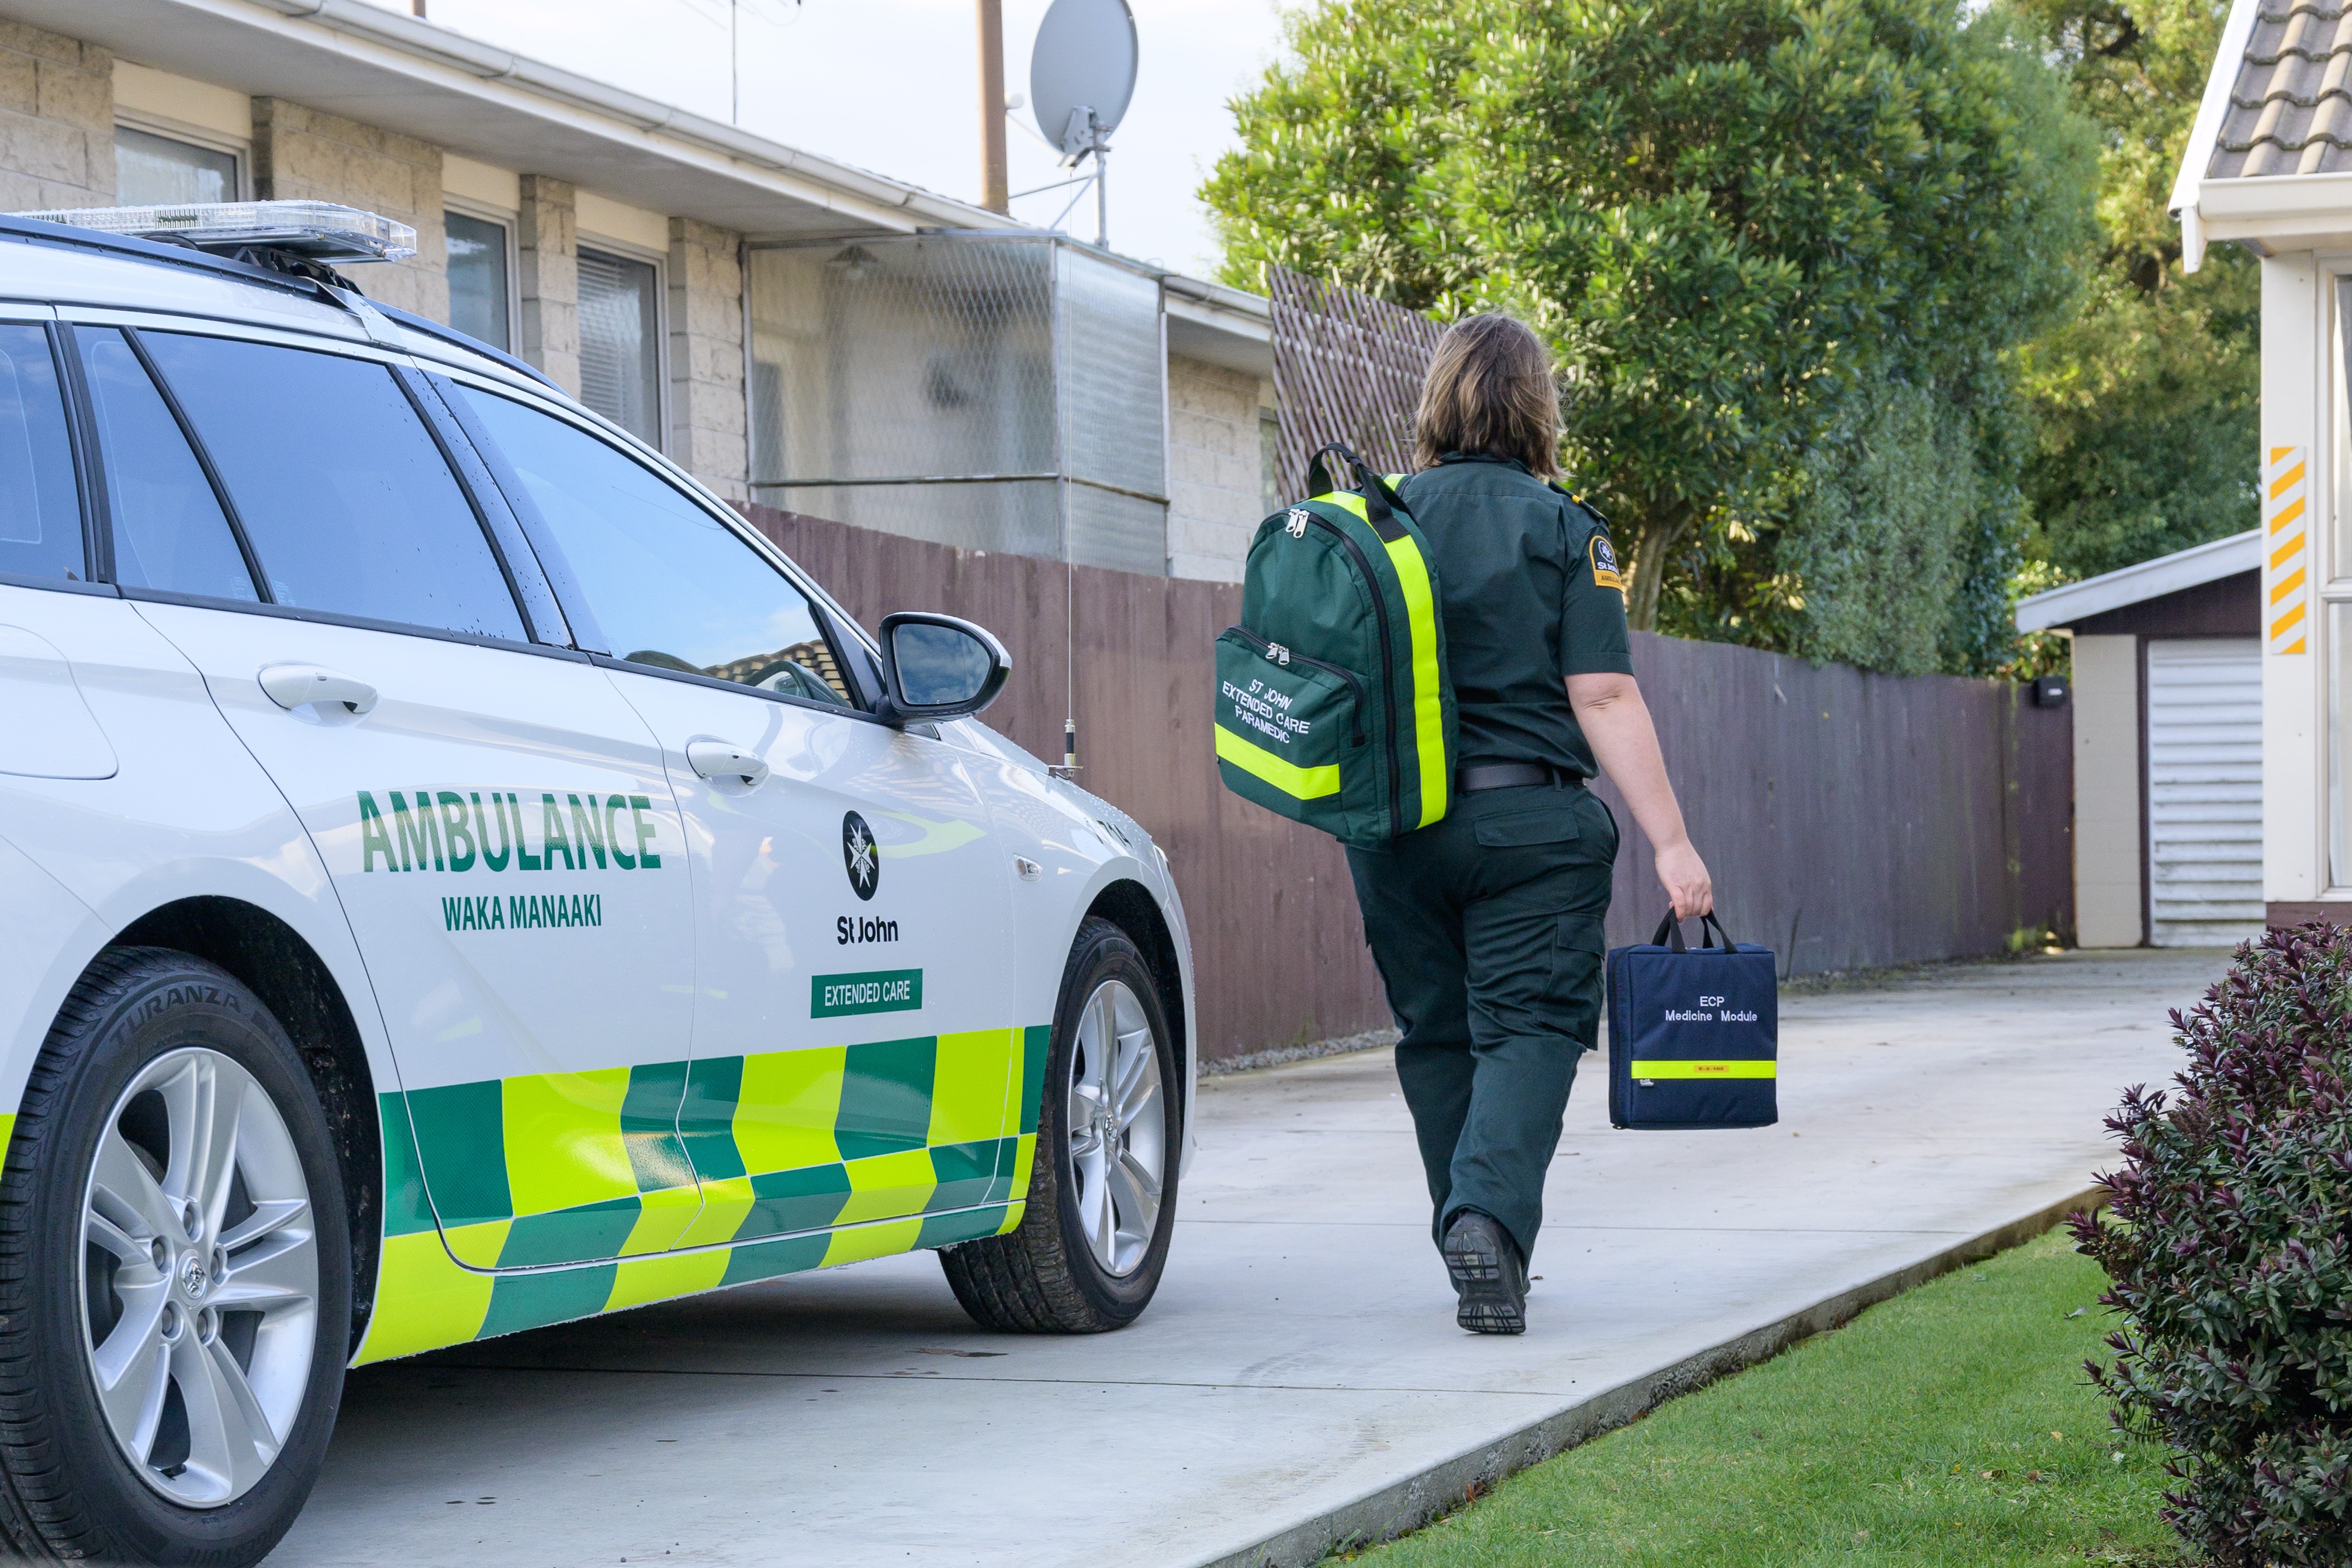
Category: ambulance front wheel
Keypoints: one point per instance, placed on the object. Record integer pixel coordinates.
(174, 1275)
(1091, 1250)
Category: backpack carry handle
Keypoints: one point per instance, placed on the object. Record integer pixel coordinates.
(1670, 933)
(1379, 501)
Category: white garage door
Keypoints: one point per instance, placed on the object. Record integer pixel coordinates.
(2204, 792)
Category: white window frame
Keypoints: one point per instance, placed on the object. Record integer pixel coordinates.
(659, 261)
(171, 129)
(508, 221)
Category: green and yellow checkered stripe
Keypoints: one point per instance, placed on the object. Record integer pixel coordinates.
(689, 1176)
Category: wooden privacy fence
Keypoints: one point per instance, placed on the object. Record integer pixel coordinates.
(1851, 819)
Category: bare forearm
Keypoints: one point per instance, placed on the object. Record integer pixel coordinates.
(1626, 743)
(1616, 724)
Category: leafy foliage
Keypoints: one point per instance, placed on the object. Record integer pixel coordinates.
(1878, 539)
(2147, 403)
(1753, 229)
(2234, 1263)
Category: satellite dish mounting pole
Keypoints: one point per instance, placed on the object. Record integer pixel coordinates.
(1102, 179)
(996, 188)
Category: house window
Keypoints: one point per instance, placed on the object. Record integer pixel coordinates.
(620, 342)
(478, 278)
(152, 170)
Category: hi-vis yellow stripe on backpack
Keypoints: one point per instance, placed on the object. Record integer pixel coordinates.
(1333, 706)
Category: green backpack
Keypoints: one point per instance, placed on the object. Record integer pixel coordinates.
(1333, 706)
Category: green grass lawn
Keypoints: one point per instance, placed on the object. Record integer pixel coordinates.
(1952, 1426)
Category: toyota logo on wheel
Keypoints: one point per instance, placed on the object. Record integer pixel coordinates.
(860, 855)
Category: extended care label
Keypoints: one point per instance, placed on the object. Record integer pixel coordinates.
(876, 991)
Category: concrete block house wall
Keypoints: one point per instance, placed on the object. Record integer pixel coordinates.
(1215, 463)
(708, 419)
(57, 120)
(303, 155)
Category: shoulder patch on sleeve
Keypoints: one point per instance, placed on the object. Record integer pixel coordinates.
(1603, 557)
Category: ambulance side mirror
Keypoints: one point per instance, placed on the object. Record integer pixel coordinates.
(937, 666)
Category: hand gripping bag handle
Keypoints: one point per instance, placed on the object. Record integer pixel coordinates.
(1670, 933)
(1379, 501)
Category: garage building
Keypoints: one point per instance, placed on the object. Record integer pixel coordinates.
(2168, 693)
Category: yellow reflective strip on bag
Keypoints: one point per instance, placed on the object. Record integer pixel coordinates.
(1428, 706)
(1347, 501)
(1707, 1069)
(1299, 783)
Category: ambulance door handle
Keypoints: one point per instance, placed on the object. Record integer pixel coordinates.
(719, 762)
(292, 686)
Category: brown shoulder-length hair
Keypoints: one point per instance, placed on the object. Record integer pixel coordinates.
(1489, 390)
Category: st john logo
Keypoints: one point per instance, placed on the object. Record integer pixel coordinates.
(860, 855)
(1604, 563)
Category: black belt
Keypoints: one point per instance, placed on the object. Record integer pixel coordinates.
(1473, 776)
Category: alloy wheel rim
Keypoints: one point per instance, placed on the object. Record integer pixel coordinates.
(199, 1278)
(1117, 1128)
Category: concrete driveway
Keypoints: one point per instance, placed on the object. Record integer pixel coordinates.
(1299, 1376)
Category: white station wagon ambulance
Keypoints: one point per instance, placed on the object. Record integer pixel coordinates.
(456, 877)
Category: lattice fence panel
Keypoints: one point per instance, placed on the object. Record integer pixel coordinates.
(1346, 367)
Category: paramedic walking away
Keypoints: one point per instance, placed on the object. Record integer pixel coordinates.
(1488, 925)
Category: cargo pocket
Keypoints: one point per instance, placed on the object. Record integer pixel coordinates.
(1553, 824)
(1578, 951)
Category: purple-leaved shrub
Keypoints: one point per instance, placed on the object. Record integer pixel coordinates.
(2228, 1253)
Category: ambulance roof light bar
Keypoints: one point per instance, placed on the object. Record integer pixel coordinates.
(323, 232)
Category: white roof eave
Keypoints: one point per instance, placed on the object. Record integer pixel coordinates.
(2197, 156)
(2190, 567)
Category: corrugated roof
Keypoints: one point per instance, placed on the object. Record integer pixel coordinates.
(2291, 107)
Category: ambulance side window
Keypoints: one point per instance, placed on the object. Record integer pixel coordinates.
(671, 586)
(40, 510)
(343, 494)
(170, 532)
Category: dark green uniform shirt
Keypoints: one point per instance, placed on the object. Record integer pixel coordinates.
(1531, 597)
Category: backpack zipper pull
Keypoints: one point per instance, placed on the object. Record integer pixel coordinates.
(1278, 653)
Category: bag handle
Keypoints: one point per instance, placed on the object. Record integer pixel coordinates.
(1379, 501)
(1670, 933)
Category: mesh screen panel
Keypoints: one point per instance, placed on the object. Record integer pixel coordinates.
(949, 387)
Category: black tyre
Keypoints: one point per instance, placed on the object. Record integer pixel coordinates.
(175, 1276)
(1102, 1190)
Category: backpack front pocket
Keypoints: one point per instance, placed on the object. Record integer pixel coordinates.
(1291, 734)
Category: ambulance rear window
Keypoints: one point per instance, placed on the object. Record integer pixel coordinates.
(40, 510)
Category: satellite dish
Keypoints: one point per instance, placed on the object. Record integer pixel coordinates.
(1083, 64)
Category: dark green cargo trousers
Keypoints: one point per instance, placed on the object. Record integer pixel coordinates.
(1487, 931)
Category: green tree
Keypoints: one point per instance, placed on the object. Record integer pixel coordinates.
(2146, 404)
(1740, 222)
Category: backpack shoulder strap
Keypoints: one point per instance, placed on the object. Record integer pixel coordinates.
(1381, 503)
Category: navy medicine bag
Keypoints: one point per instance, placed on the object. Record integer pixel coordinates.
(1694, 1032)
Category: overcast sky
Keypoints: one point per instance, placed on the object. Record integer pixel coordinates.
(892, 86)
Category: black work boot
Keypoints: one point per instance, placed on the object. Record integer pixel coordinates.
(1489, 1275)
